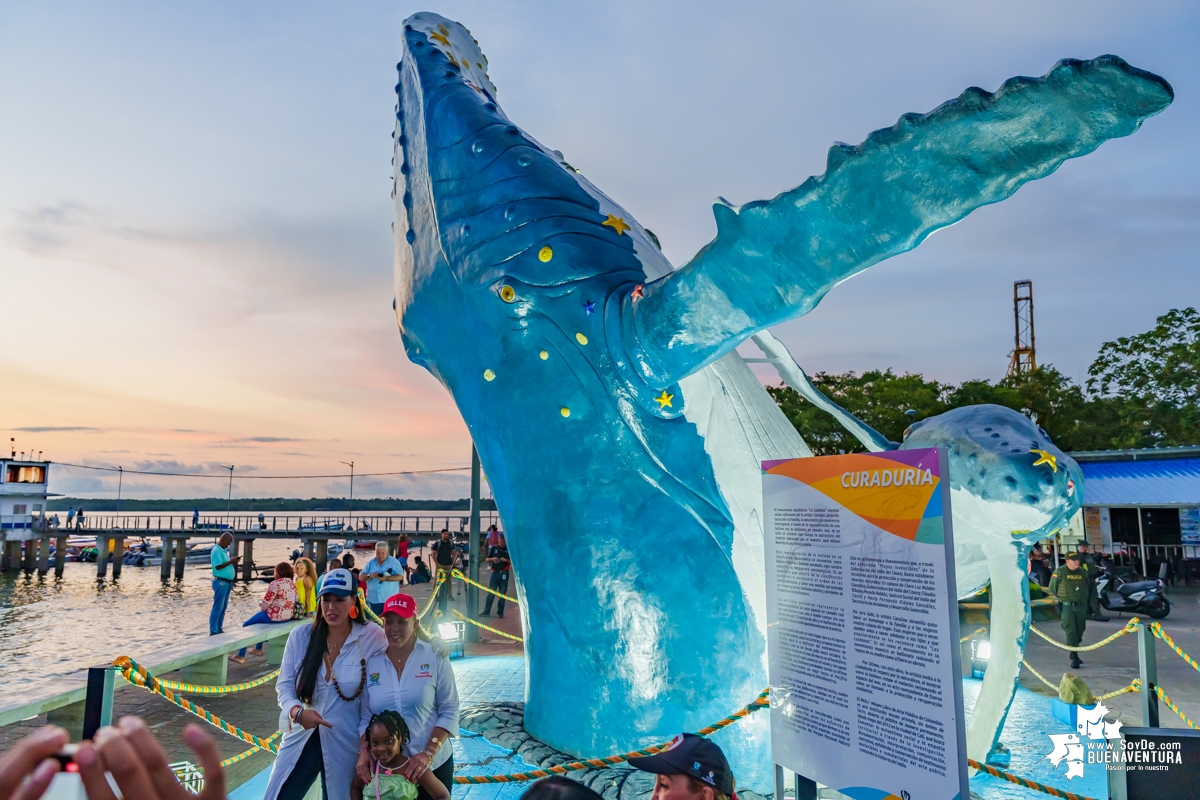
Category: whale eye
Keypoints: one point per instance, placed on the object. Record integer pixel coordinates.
(477, 148)
(524, 161)
(507, 293)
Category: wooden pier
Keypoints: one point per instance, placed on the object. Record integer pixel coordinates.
(32, 552)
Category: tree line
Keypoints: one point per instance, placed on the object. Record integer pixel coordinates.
(213, 505)
(1141, 391)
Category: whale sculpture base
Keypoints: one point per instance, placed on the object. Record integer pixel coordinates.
(503, 724)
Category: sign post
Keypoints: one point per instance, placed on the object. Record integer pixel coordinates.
(866, 685)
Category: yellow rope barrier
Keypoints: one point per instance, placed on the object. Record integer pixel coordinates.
(971, 636)
(486, 627)
(1136, 686)
(602, 763)
(1029, 667)
(138, 676)
(1130, 627)
(1133, 687)
(1163, 696)
(477, 584)
(441, 578)
(191, 688)
(1028, 784)
(247, 753)
(1158, 631)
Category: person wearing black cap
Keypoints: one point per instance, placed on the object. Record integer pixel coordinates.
(691, 768)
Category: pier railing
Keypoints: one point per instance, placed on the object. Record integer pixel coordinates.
(352, 526)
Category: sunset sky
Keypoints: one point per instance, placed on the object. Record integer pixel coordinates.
(195, 254)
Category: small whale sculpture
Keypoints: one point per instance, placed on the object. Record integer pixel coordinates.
(621, 434)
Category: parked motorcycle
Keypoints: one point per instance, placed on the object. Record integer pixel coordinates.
(1118, 594)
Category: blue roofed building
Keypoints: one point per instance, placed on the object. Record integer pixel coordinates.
(1144, 507)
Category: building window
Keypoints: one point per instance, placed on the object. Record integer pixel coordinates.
(19, 508)
(26, 474)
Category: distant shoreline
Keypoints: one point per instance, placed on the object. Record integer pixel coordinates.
(280, 504)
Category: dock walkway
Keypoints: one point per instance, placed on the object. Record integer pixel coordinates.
(254, 710)
(40, 550)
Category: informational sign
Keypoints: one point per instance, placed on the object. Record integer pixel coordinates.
(1189, 525)
(866, 686)
(1091, 523)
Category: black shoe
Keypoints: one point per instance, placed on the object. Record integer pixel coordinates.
(1076, 663)
(485, 613)
(501, 616)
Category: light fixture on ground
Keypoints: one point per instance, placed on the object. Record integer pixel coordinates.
(981, 651)
(454, 634)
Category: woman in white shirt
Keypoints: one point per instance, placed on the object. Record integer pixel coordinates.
(411, 677)
(321, 688)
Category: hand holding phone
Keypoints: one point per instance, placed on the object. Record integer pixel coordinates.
(34, 758)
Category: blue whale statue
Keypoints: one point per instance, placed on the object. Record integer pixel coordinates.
(621, 434)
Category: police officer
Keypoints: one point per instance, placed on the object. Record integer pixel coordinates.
(1072, 585)
(1091, 563)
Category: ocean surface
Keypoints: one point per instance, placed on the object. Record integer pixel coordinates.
(51, 627)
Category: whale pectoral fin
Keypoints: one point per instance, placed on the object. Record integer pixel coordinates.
(775, 259)
(1008, 628)
(795, 376)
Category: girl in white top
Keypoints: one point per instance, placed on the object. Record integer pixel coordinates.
(322, 689)
(411, 677)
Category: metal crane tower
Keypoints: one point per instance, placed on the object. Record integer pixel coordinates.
(1024, 357)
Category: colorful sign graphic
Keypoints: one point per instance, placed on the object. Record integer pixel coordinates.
(862, 628)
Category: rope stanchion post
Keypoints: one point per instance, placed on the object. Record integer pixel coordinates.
(1148, 675)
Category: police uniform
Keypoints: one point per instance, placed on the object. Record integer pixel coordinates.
(1091, 562)
(1074, 589)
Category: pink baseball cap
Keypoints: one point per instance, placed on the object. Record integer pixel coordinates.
(402, 604)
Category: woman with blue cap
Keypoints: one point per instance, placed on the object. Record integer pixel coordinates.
(321, 690)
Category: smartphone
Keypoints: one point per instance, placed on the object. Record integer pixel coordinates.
(67, 785)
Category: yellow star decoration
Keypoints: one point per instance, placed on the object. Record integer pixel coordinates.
(664, 399)
(1045, 457)
(438, 37)
(616, 223)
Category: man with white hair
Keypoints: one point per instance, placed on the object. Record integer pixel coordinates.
(383, 574)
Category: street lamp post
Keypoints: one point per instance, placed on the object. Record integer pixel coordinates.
(120, 481)
(229, 496)
(350, 464)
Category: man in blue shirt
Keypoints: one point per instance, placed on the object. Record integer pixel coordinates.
(223, 573)
(384, 573)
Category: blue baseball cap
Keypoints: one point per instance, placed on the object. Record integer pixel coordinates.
(337, 582)
(692, 755)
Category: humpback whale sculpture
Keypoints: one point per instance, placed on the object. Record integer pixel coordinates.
(621, 435)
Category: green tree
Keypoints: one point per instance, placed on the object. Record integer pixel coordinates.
(880, 399)
(1155, 377)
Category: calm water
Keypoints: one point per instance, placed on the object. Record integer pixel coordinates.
(50, 627)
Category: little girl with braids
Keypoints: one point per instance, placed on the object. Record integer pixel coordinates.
(386, 735)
